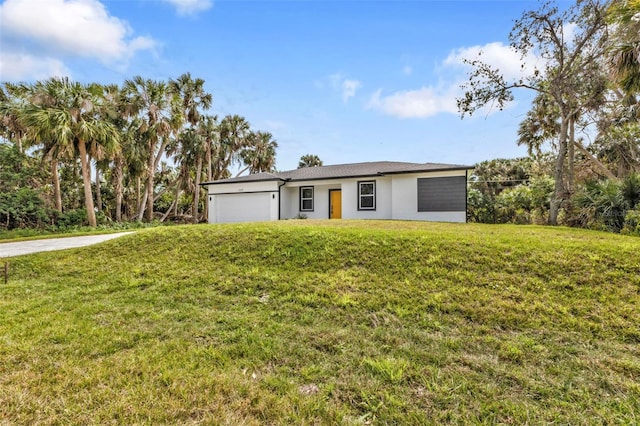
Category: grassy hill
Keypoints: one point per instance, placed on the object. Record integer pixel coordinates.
(303, 322)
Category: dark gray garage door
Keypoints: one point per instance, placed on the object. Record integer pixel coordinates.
(445, 194)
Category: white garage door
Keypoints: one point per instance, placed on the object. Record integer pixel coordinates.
(242, 207)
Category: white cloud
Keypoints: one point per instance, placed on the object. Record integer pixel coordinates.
(441, 98)
(570, 29)
(22, 66)
(421, 103)
(347, 87)
(500, 56)
(58, 29)
(190, 7)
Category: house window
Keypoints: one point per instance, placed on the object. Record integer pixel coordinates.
(367, 195)
(306, 198)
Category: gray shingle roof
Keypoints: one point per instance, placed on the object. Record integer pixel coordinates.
(353, 170)
(248, 178)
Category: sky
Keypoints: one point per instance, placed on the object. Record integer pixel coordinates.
(349, 81)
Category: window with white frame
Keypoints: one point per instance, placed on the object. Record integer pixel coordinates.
(306, 198)
(367, 195)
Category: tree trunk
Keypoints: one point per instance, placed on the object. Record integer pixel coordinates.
(166, 214)
(196, 191)
(118, 177)
(55, 180)
(595, 161)
(149, 189)
(163, 146)
(143, 203)
(86, 179)
(571, 155)
(98, 191)
(209, 167)
(558, 193)
(138, 201)
(177, 197)
(154, 160)
(209, 176)
(76, 173)
(243, 170)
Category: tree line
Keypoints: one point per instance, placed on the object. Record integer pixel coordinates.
(136, 151)
(520, 190)
(582, 131)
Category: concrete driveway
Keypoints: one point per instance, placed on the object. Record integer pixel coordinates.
(35, 246)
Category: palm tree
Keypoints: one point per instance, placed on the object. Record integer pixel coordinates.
(625, 50)
(53, 151)
(73, 120)
(233, 132)
(208, 128)
(154, 105)
(193, 99)
(182, 151)
(114, 112)
(12, 98)
(194, 150)
(309, 160)
(17, 97)
(260, 153)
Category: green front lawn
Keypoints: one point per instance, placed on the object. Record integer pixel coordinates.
(345, 322)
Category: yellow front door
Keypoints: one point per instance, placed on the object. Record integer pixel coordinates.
(335, 204)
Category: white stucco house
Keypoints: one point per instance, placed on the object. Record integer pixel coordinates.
(375, 190)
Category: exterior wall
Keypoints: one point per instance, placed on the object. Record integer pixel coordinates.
(383, 199)
(288, 202)
(396, 198)
(243, 202)
(230, 188)
(404, 190)
(290, 206)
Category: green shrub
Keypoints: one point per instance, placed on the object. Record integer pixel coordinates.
(21, 205)
(23, 208)
(632, 222)
(480, 207)
(514, 205)
(631, 190)
(72, 218)
(522, 203)
(601, 205)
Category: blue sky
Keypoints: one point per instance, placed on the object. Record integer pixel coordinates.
(349, 81)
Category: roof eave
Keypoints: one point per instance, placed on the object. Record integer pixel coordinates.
(223, 181)
(440, 169)
(369, 175)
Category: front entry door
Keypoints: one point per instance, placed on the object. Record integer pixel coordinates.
(335, 204)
